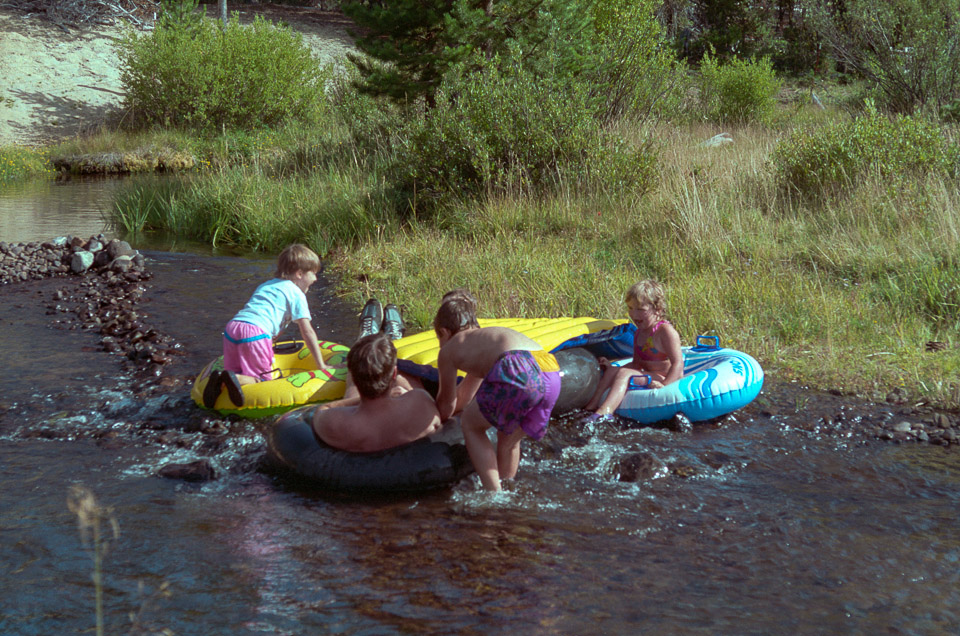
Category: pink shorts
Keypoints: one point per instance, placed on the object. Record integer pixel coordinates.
(247, 350)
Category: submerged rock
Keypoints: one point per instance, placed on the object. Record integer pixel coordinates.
(196, 471)
(110, 276)
(640, 466)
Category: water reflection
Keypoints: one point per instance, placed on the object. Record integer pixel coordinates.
(38, 210)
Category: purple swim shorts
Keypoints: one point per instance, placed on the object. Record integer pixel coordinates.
(520, 390)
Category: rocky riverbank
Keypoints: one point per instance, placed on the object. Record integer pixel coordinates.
(108, 278)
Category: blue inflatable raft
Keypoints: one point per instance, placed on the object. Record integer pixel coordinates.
(715, 381)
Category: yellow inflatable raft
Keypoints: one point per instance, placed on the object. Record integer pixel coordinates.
(302, 384)
(423, 348)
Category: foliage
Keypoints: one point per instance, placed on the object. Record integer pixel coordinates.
(831, 158)
(334, 208)
(19, 162)
(635, 74)
(373, 124)
(739, 91)
(409, 45)
(210, 77)
(910, 49)
(730, 29)
(403, 44)
(181, 14)
(503, 131)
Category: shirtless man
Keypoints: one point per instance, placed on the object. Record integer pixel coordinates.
(387, 414)
(513, 383)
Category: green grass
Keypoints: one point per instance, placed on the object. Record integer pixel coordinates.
(22, 162)
(835, 293)
(842, 296)
(284, 150)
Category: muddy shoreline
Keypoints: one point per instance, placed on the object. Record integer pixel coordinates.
(102, 288)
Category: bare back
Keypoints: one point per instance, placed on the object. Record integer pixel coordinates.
(476, 350)
(378, 424)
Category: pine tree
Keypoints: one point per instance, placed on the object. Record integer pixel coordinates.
(404, 45)
(410, 44)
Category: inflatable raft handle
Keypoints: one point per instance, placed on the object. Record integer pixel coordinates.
(632, 385)
(707, 347)
(291, 346)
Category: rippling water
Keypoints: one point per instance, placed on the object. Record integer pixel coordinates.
(755, 526)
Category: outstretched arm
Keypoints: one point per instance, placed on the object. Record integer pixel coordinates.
(447, 393)
(466, 389)
(310, 337)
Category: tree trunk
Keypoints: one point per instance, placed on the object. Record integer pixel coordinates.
(223, 12)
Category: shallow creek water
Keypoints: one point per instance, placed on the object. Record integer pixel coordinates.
(758, 524)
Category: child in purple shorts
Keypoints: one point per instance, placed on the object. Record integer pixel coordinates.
(511, 384)
(248, 338)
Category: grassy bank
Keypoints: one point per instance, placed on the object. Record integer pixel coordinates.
(845, 296)
(839, 289)
(21, 162)
(837, 292)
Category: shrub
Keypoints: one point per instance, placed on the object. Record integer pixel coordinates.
(207, 77)
(372, 123)
(740, 91)
(636, 74)
(908, 49)
(502, 130)
(831, 158)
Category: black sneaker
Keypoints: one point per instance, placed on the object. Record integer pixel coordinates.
(371, 318)
(393, 322)
(233, 387)
(212, 391)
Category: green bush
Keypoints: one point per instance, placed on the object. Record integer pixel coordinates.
(207, 77)
(636, 74)
(831, 158)
(740, 91)
(909, 50)
(508, 132)
(372, 123)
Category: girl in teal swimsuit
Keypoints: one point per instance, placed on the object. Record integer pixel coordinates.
(657, 357)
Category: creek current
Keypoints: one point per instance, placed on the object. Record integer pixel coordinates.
(775, 520)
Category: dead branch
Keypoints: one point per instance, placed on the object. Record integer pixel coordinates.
(68, 14)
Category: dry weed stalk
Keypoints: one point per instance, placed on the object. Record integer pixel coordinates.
(91, 519)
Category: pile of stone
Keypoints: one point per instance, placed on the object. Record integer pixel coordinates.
(65, 256)
(110, 276)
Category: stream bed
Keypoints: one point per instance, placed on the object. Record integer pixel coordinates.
(790, 516)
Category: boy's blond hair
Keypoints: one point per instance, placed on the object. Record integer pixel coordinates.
(297, 257)
(648, 291)
(458, 311)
